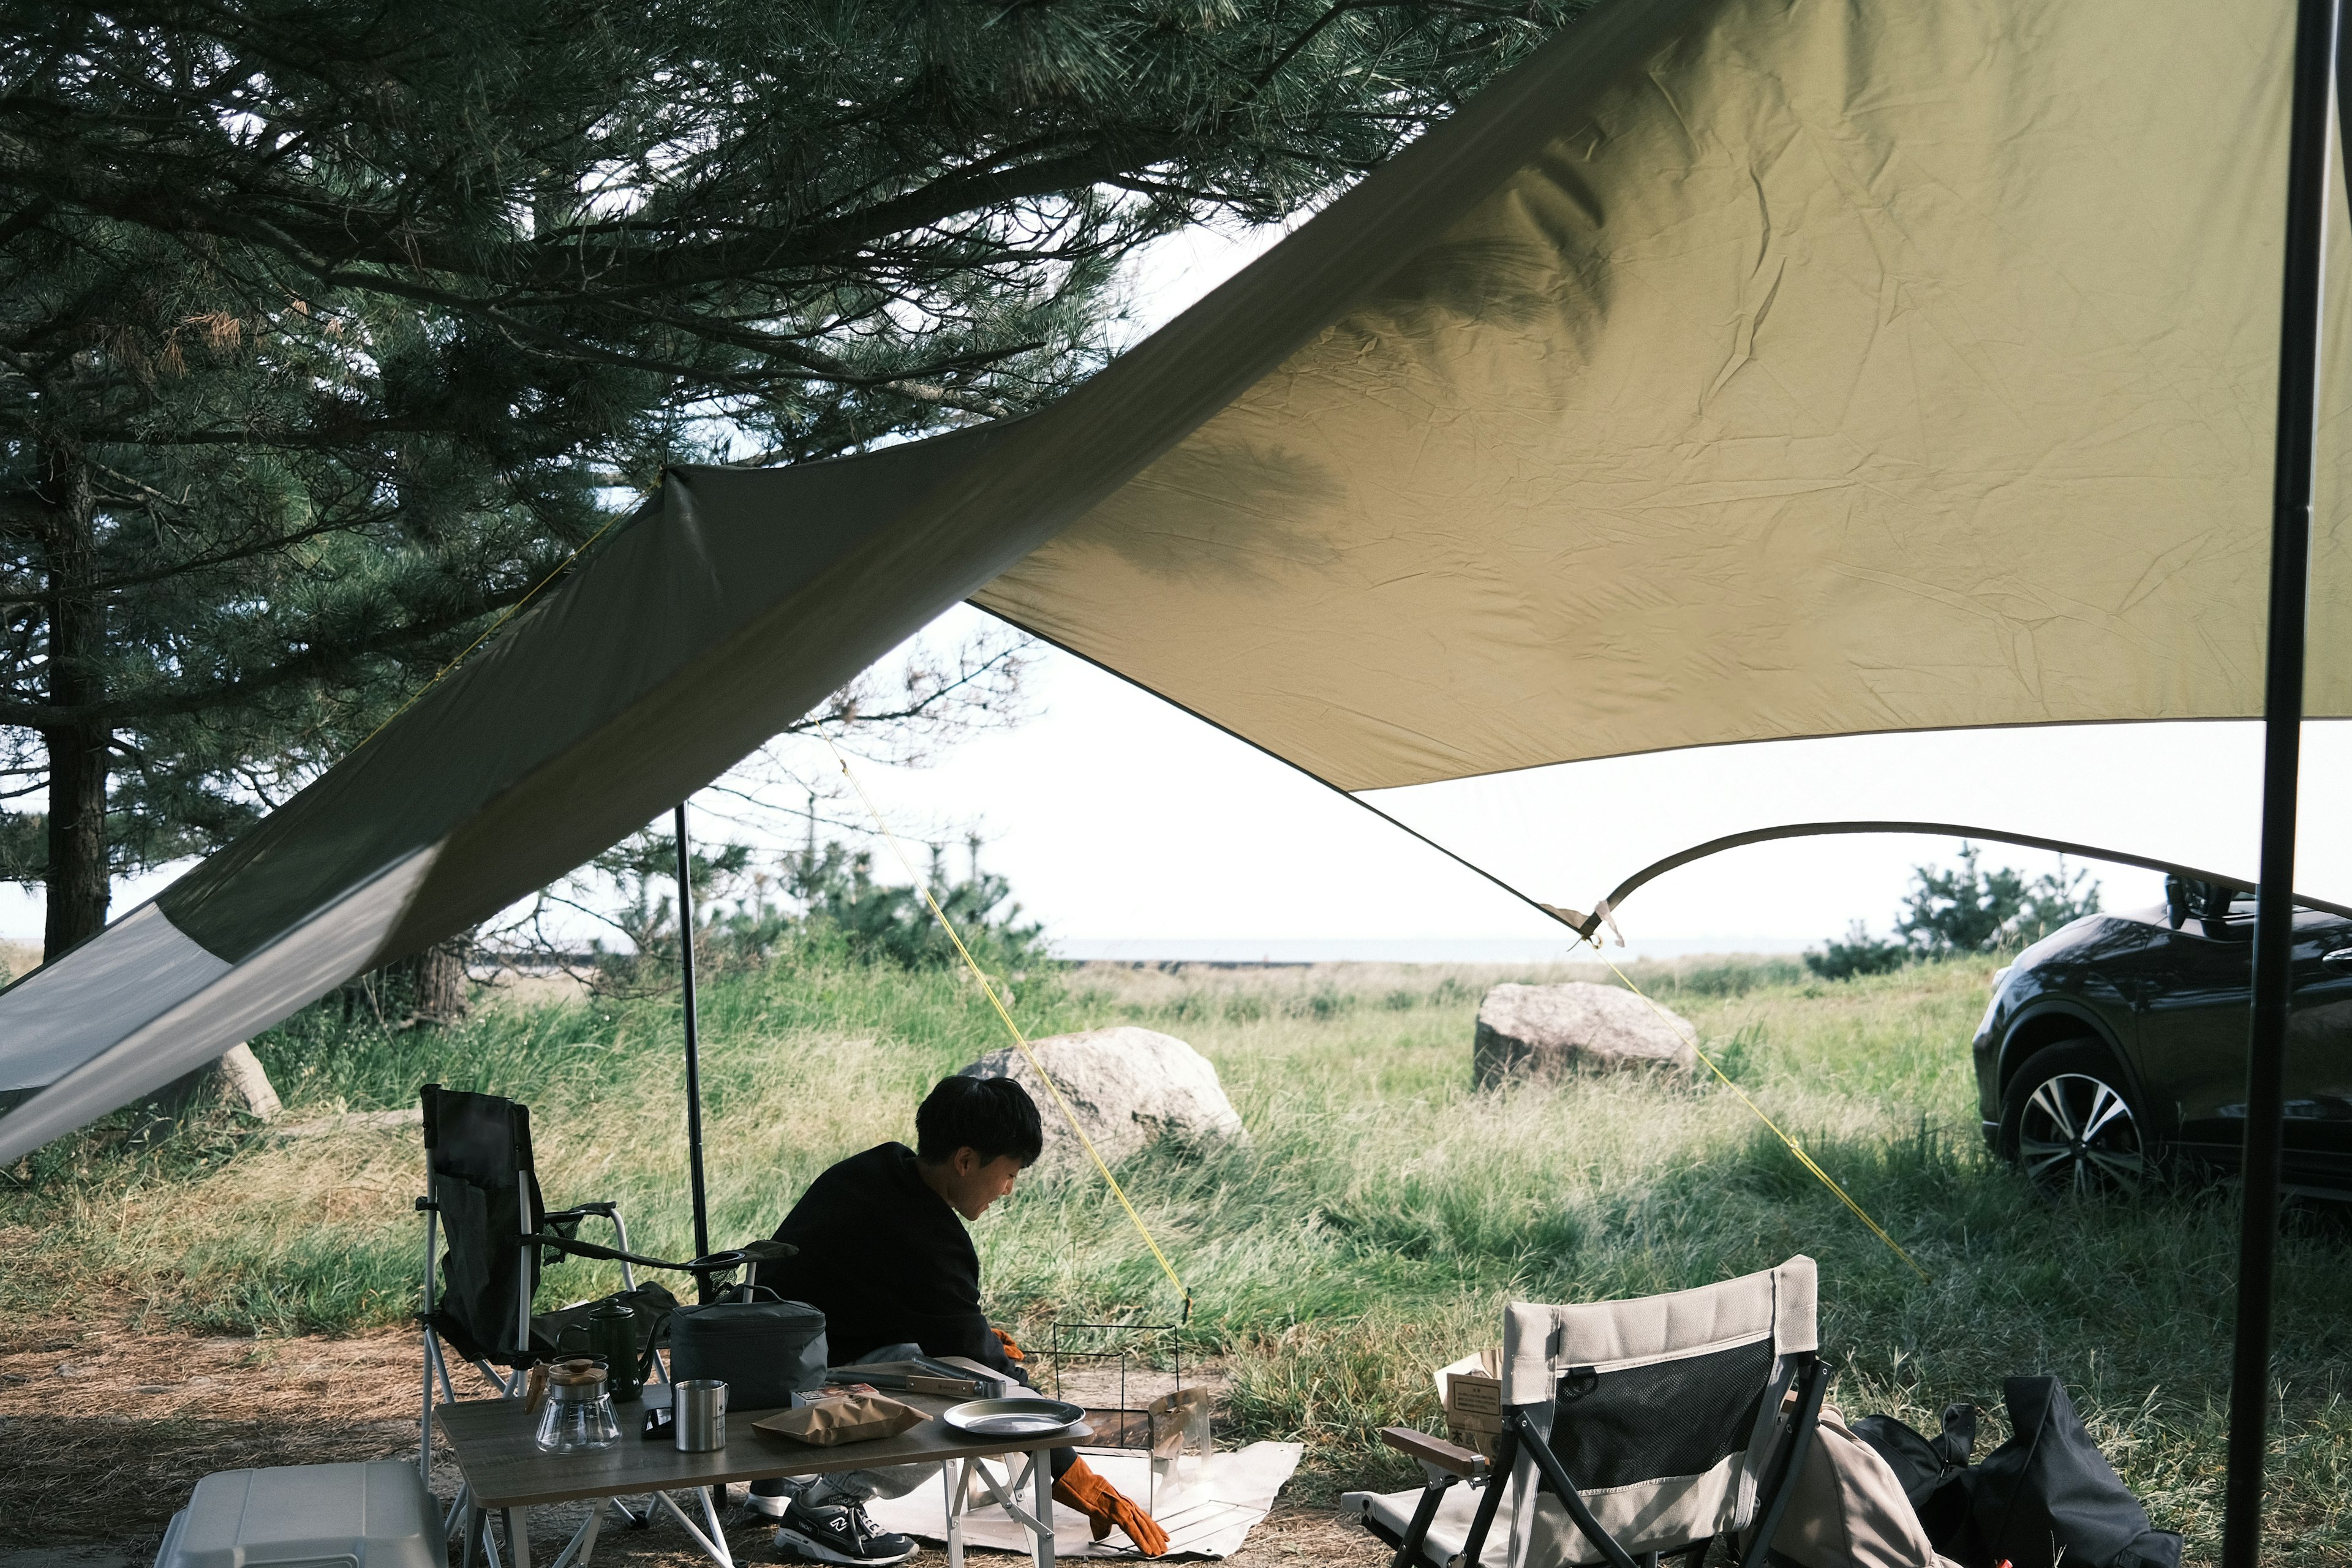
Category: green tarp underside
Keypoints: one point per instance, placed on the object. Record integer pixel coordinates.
(708, 621)
(739, 600)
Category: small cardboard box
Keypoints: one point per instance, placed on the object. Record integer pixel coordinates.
(1472, 1390)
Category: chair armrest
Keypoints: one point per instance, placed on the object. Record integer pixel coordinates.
(1435, 1451)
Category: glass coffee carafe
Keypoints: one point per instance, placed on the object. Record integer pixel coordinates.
(578, 1415)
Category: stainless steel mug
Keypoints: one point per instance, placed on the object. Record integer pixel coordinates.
(700, 1407)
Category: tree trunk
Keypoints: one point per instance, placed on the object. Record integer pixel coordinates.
(239, 1078)
(80, 757)
(433, 983)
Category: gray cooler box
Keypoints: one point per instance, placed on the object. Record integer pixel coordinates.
(375, 1515)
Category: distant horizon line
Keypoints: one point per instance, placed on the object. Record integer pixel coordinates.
(1361, 949)
(1401, 950)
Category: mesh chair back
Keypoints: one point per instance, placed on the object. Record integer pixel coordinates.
(1664, 1411)
(478, 1148)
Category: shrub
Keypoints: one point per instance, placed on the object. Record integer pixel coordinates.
(1859, 953)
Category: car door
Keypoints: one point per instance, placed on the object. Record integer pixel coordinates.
(2318, 1135)
(2194, 1006)
(2191, 992)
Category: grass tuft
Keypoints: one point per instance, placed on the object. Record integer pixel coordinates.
(1370, 1229)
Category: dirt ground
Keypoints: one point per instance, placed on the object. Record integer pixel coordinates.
(104, 1431)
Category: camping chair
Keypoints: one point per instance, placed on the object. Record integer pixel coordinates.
(482, 1198)
(1631, 1430)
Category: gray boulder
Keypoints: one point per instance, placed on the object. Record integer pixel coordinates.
(1547, 1030)
(1130, 1088)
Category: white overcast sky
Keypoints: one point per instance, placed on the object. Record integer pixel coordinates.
(1133, 830)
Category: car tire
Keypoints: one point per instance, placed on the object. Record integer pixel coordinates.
(2069, 1125)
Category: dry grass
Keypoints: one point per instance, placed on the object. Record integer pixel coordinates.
(103, 1430)
(1375, 1222)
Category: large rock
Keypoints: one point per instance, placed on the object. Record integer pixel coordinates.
(1128, 1087)
(1546, 1030)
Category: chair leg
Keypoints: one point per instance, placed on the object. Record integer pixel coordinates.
(1498, 1475)
(425, 1322)
(1547, 1466)
(1408, 1552)
(1812, 1384)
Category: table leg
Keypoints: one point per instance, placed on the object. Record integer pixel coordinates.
(953, 1475)
(471, 1520)
(1041, 1465)
(519, 1537)
(718, 1532)
(583, 1540)
(715, 1543)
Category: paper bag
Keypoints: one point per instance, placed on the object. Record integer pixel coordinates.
(848, 1418)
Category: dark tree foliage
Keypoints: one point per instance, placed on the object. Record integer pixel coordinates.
(1857, 953)
(328, 329)
(1967, 910)
(1959, 909)
(749, 907)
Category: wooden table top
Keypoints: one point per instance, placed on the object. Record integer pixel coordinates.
(495, 1443)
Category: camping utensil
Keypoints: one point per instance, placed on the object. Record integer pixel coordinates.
(1031, 1418)
(578, 1416)
(700, 1404)
(613, 1334)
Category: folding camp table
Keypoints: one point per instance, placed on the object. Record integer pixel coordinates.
(493, 1443)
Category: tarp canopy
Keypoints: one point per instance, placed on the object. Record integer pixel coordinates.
(1732, 370)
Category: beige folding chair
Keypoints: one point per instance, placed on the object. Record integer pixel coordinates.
(1631, 1431)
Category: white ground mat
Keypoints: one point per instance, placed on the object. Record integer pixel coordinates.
(1210, 1520)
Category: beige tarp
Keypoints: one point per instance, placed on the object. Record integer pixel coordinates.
(1848, 367)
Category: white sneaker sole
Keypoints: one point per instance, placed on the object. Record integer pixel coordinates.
(812, 1549)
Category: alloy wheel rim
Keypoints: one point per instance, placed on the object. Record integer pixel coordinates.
(2078, 1135)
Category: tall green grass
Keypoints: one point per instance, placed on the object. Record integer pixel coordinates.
(1370, 1228)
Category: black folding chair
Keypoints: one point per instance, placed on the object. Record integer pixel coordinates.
(1631, 1431)
(482, 1199)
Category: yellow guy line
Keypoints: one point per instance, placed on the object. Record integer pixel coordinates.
(1018, 1037)
(1803, 1158)
(512, 612)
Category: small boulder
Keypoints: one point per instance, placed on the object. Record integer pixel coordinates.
(1547, 1030)
(1129, 1089)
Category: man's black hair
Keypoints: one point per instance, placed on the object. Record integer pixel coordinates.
(989, 1116)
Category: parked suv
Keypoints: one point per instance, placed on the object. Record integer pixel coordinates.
(2119, 1043)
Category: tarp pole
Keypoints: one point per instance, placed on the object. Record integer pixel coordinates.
(2291, 491)
(693, 1050)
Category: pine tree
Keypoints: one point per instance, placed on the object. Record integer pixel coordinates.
(328, 329)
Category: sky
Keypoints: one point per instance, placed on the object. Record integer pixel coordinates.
(1134, 831)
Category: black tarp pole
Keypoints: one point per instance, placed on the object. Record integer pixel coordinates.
(693, 1047)
(2291, 490)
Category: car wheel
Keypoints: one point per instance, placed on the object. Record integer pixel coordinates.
(2067, 1123)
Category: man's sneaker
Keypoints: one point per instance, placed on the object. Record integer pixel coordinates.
(773, 1496)
(838, 1532)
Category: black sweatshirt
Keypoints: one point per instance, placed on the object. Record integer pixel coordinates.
(886, 1260)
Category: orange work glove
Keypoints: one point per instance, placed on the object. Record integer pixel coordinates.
(1012, 1351)
(1079, 1487)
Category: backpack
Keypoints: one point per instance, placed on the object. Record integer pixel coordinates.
(2048, 1494)
(1934, 1472)
(1848, 1509)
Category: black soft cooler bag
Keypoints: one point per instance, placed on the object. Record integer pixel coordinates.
(764, 1351)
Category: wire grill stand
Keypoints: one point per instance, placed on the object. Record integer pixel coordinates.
(1126, 1344)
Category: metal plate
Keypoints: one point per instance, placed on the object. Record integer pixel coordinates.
(1027, 1417)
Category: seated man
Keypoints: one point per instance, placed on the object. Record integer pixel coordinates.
(885, 1258)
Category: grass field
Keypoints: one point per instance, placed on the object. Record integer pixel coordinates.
(1372, 1227)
